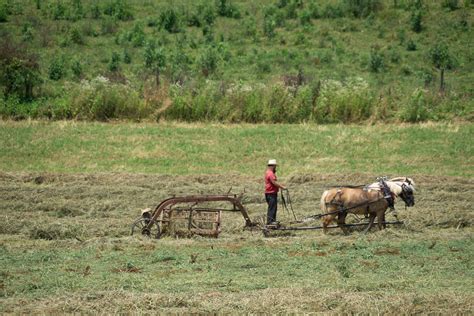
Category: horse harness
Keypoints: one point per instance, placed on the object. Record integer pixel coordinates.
(387, 195)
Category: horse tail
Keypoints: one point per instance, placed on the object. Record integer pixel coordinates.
(323, 201)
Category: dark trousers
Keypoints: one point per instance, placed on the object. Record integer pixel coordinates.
(272, 201)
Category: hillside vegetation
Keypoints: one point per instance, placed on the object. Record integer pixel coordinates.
(237, 61)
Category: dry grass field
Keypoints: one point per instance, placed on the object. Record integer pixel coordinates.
(65, 243)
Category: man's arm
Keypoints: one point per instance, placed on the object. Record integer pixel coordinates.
(277, 184)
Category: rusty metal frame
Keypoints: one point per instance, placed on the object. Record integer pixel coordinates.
(235, 200)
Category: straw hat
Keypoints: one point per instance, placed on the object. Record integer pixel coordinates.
(272, 162)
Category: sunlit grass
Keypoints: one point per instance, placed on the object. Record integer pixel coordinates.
(169, 148)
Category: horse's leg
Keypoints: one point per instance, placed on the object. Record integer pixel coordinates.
(380, 220)
(327, 220)
(341, 222)
(371, 223)
(383, 220)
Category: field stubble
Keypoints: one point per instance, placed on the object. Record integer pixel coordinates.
(65, 248)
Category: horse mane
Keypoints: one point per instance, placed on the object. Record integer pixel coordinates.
(407, 180)
(394, 184)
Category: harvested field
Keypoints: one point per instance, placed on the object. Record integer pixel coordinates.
(65, 247)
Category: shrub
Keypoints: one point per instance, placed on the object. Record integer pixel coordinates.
(416, 109)
(227, 9)
(207, 14)
(343, 102)
(27, 33)
(450, 4)
(170, 21)
(119, 9)
(127, 58)
(411, 45)
(333, 11)
(4, 12)
(108, 25)
(19, 69)
(137, 35)
(363, 8)
(291, 10)
(77, 11)
(416, 21)
(57, 10)
(76, 68)
(269, 25)
(95, 11)
(56, 69)
(76, 36)
(208, 61)
(305, 17)
(376, 61)
(314, 10)
(101, 100)
(277, 105)
(114, 62)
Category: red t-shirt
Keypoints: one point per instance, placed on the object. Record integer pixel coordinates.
(269, 187)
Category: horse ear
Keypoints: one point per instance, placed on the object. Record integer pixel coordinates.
(408, 180)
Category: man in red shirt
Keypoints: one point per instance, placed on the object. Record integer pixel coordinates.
(271, 191)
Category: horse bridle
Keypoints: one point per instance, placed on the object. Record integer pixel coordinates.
(407, 194)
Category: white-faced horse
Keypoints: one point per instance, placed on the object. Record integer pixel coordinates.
(372, 200)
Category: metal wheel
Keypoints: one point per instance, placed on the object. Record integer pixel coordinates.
(140, 226)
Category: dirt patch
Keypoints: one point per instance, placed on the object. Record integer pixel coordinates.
(387, 251)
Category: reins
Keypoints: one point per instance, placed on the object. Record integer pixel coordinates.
(285, 204)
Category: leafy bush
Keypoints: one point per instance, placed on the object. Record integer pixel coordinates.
(333, 11)
(208, 60)
(207, 14)
(114, 62)
(102, 100)
(416, 109)
(411, 45)
(19, 69)
(363, 8)
(269, 25)
(314, 9)
(137, 35)
(57, 10)
(95, 11)
(227, 9)
(76, 36)
(4, 12)
(127, 58)
(305, 17)
(76, 68)
(416, 21)
(119, 9)
(343, 102)
(170, 21)
(108, 25)
(376, 61)
(57, 69)
(451, 4)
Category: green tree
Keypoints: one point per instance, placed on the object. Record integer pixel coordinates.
(155, 59)
(441, 59)
(19, 70)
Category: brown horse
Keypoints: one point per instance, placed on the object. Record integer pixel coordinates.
(371, 200)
